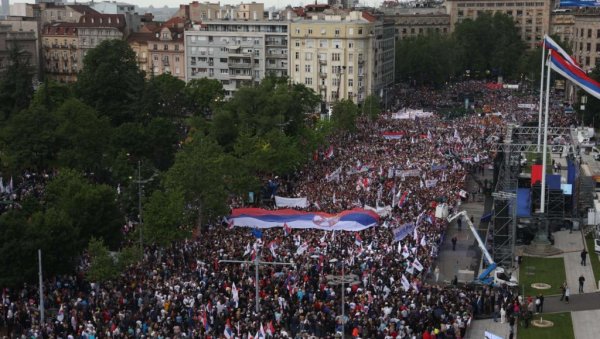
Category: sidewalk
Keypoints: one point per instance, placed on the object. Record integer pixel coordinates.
(571, 244)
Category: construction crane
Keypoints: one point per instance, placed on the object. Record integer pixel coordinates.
(492, 275)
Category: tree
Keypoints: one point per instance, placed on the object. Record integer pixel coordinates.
(103, 264)
(198, 174)
(28, 140)
(164, 97)
(344, 115)
(81, 137)
(205, 95)
(51, 95)
(371, 107)
(92, 207)
(490, 44)
(111, 81)
(164, 217)
(16, 83)
(418, 59)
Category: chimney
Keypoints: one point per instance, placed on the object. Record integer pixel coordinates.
(270, 15)
(232, 13)
(289, 15)
(254, 15)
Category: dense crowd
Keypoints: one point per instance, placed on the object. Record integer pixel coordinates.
(187, 291)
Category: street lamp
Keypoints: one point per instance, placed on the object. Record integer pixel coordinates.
(342, 280)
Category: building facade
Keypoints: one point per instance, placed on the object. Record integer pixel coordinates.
(531, 18)
(342, 57)
(65, 44)
(24, 41)
(237, 53)
(166, 52)
(561, 25)
(412, 25)
(586, 39)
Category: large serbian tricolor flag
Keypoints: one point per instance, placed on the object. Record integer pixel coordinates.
(353, 220)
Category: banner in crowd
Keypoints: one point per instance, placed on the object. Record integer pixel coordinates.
(351, 220)
(403, 230)
(291, 202)
(431, 183)
(408, 173)
(381, 211)
(393, 135)
(335, 175)
(358, 169)
(407, 113)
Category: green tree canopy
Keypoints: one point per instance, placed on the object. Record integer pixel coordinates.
(16, 86)
(205, 95)
(111, 81)
(371, 107)
(164, 97)
(344, 115)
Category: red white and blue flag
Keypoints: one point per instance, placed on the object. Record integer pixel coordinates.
(329, 152)
(350, 220)
(574, 74)
(402, 200)
(228, 332)
(357, 239)
(287, 230)
(553, 46)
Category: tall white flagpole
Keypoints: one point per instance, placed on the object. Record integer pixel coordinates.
(541, 93)
(544, 153)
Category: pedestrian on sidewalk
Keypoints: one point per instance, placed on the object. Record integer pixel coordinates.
(563, 289)
(581, 281)
(583, 257)
(541, 299)
(454, 240)
(436, 273)
(567, 293)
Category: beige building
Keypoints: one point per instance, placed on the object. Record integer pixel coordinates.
(166, 51)
(343, 56)
(139, 44)
(202, 11)
(65, 44)
(25, 41)
(531, 18)
(561, 25)
(411, 25)
(586, 39)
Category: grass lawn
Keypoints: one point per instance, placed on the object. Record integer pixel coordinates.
(563, 327)
(532, 157)
(593, 257)
(542, 270)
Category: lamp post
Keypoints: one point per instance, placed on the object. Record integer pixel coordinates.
(342, 280)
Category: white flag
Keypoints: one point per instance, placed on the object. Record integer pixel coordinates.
(301, 249)
(417, 265)
(234, 295)
(423, 241)
(405, 283)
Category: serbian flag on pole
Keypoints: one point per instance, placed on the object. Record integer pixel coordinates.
(205, 321)
(358, 240)
(329, 152)
(228, 333)
(270, 329)
(287, 230)
(402, 200)
(552, 45)
(574, 74)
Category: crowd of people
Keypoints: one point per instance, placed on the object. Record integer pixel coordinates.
(186, 290)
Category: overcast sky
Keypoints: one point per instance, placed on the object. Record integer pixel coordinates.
(268, 3)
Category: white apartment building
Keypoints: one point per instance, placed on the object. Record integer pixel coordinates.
(236, 52)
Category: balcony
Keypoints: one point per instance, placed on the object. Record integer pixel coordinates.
(239, 65)
(142, 60)
(323, 75)
(240, 76)
(322, 61)
(277, 55)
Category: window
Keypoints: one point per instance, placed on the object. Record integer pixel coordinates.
(155, 47)
(176, 59)
(155, 57)
(350, 57)
(297, 56)
(297, 43)
(297, 68)
(588, 47)
(224, 71)
(587, 61)
(177, 47)
(308, 81)
(323, 31)
(323, 43)
(223, 60)
(310, 43)
(297, 30)
(165, 35)
(597, 47)
(308, 56)
(307, 68)
(335, 56)
(337, 31)
(350, 31)
(360, 31)
(350, 69)
(589, 33)
(310, 31)
(350, 45)
(166, 47)
(350, 82)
